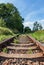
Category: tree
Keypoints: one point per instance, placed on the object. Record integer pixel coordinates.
(27, 30)
(40, 27)
(11, 16)
(37, 26)
(2, 23)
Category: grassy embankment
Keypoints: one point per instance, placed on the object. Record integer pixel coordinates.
(5, 33)
(39, 35)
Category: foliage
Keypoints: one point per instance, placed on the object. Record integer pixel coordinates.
(11, 16)
(37, 26)
(18, 35)
(27, 30)
(2, 23)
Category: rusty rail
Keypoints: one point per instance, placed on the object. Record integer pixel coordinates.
(6, 42)
(37, 43)
(34, 57)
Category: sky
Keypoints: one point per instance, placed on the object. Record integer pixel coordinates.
(30, 10)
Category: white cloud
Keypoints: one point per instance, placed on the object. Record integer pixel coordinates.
(41, 22)
(30, 15)
(30, 23)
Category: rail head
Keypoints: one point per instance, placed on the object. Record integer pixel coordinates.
(37, 43)
(9, 40)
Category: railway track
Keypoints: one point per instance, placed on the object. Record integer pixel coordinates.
(27, 52)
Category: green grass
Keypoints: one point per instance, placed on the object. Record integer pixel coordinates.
(5, 50)
(39, 35)
(16, 41)
(30, 51)
(5, 33)
(3, 37)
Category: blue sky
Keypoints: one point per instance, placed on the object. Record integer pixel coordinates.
(30, 10)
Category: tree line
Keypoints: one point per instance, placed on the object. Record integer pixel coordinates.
(10, 17)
